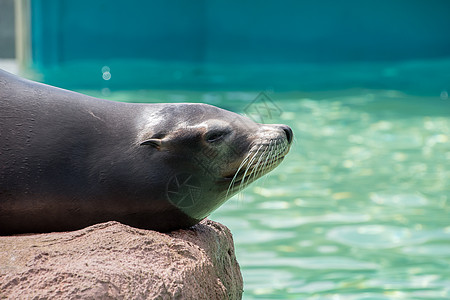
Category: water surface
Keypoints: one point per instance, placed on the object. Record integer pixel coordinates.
(360, 207)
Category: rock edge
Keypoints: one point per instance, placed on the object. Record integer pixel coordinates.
(115, 261)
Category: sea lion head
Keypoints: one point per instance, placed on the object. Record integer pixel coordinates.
(211, 153)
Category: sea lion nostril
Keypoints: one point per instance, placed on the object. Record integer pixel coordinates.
(288, 131)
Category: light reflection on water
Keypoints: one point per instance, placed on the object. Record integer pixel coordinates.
(364, 210)
(360, 207)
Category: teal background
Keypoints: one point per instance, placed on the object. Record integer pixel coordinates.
(209, 44)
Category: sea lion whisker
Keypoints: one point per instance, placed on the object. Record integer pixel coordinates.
(243, 181)
(244, 161)
(233, 181)
(260, 167)
(268, 159)
(274, 155)
(260, 157)
(271, 159)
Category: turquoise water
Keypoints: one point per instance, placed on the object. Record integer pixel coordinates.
(359, 209)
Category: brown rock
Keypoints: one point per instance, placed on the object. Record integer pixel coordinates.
(115, 261)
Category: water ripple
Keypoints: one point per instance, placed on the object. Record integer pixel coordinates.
(382, 236)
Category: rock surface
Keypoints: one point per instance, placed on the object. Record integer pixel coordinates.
(115, 261)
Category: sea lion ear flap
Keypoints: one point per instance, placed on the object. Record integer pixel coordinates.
(157, 143)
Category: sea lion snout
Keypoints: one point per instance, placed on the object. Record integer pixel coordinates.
(276, 131)
(288, 131)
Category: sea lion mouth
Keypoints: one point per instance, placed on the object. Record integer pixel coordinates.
(260, 160)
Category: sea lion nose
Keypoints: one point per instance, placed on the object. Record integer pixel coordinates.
(288, 131)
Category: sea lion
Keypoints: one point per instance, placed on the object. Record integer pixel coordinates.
(68, 160)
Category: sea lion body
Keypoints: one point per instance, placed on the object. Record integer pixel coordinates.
(68, 160)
